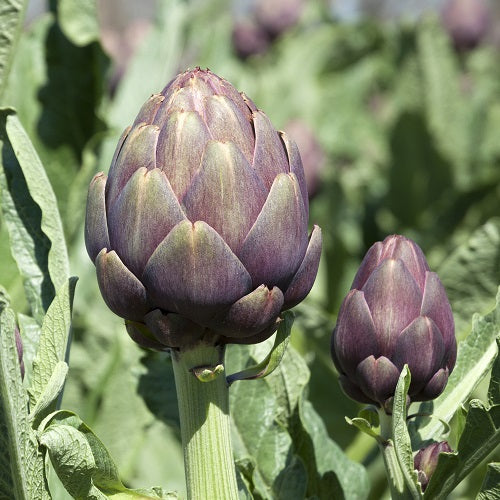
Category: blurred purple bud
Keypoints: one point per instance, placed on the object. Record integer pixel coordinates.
(279, 15)
(426, 460)
(311, 152)
(396, 313)
(466, 21)
(249, 39)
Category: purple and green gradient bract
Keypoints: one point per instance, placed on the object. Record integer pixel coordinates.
(200, 230)
(396, 313)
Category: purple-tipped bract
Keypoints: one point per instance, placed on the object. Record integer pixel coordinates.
(200, 230)
(396, 313)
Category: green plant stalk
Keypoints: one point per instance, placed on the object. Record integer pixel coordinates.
(205, 424)
(395, 477)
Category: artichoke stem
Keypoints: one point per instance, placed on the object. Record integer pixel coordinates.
(205, 424)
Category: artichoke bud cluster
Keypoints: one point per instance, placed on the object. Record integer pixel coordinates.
(199, 232)
(396, 313)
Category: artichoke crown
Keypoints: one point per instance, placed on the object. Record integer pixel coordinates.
(200, 229)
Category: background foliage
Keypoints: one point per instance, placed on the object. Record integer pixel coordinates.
(408, 127)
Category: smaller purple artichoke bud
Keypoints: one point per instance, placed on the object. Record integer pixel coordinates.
(396, 313)
(466, 21)
(19, 347)
(426, 460)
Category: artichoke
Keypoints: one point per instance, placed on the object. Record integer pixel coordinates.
(200, 231)
(396, 313)
(426, 460)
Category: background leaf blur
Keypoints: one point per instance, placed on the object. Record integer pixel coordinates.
(407, 128)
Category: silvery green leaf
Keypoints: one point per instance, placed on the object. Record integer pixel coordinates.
(30, 334)
(21, 465)
(72, 458)
(29, 208)
(78, 20)
(51, 392)
(471, 274)
(11, 22)
(86, 467)
(54, 339)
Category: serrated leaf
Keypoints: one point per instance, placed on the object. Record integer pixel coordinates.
(330, 472)
(72, 458)
(288, 435)
(78, 20)
(475, 356)
(402, 442)
(273, 359)
(43, 195)
(480, 437)
(11, 25)
(262, 439)
(21, 466)
(22, 216)
(490, 489)
(96, 469)
(54, 339)
(471, 275)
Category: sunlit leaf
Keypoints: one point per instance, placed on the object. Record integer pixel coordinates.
(54, 339)
(78, 20)
(11, 23)
(21, 465)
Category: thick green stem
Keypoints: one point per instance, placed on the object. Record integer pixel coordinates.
(205, 426)
(395, 477)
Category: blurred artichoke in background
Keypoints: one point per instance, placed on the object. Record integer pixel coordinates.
(259, 22)
(249, 39)
(426, 460)
(311, 152)
(200, 231)
(396, 313)
(466, 21)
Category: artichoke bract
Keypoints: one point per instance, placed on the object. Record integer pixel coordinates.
(396, 313)
(200, 230)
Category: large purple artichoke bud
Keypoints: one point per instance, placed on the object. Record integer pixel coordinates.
(200, 230)
(396, 313)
